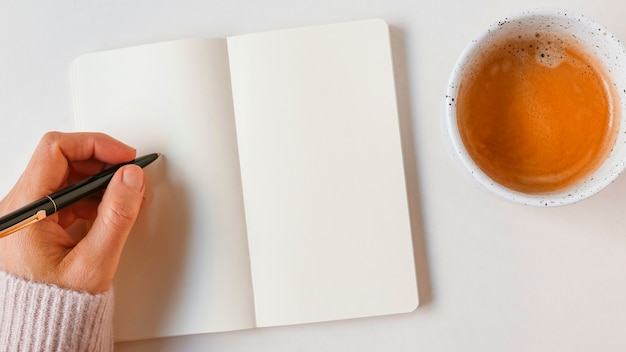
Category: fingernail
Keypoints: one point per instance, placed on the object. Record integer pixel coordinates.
(132, 176)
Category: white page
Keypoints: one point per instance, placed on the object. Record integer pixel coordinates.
(185, 268)
(322, 173)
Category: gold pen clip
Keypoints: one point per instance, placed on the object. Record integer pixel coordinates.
(40, 215)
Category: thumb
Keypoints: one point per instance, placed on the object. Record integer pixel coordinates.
(117, 213)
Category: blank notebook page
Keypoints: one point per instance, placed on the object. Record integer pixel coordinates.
(322, 173)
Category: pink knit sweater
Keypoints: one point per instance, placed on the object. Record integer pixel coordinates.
(42, 317)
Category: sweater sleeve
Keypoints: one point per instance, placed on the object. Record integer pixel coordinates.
(42, 317)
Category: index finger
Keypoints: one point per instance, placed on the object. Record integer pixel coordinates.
(50, 164)
(84, 146)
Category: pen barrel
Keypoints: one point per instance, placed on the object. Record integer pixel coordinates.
(95, 183)
(83, 189)
(15, 217)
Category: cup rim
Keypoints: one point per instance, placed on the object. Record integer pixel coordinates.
(583, 189)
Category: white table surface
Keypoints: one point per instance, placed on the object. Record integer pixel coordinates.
(494, 276)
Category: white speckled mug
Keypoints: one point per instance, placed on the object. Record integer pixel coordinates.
(598, 42)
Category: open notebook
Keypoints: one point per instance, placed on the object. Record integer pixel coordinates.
(281, 196)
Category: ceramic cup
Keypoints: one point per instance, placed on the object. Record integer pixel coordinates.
(598, 41)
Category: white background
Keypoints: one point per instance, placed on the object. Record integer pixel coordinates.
(494, 276)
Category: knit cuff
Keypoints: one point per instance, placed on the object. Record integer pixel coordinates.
(43, 317)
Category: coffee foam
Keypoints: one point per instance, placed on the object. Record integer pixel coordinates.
(548, 49)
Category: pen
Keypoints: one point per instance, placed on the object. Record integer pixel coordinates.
(48, 205)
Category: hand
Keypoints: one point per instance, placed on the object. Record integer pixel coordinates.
(45, 251)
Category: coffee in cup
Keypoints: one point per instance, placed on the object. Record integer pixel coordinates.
(534, 108)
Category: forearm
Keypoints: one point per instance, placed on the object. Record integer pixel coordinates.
(42, 317)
